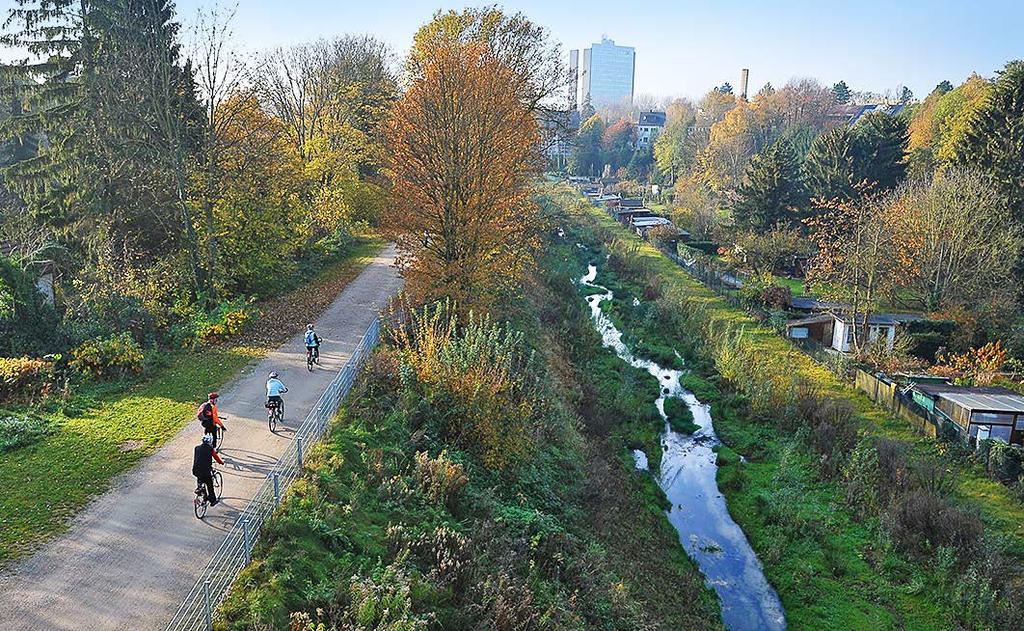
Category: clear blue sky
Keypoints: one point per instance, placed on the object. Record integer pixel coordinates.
(685, 47)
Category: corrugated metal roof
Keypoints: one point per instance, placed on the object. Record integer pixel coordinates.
(643, 222)
(987, 402)
(993, 399)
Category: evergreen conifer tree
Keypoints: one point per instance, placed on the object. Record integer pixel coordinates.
(772, 191)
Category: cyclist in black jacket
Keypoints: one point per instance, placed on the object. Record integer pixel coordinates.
(202, 465)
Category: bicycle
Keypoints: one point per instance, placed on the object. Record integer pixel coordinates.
(312, 357)
(202, 500)
(219, 433)
(275, 413)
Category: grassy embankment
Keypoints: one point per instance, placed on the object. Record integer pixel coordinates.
(103, 429)
(404, 520)
(834, 565)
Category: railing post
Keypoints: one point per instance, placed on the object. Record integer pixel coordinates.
(208, 605)
(298, 449)
(247, 539)
(277, 489)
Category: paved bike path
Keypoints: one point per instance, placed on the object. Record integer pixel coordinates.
(133, 554)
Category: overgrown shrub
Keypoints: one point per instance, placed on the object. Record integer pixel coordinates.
(103, 312)
(199, 327)
(446, 552)
(778, 296)
(1002, 461)
(382, 601)
(510, 605)
(892, 467)
(439, 478)
(27, 324)
(24, 380)
(862, 477)
(920, 521)
(709, 248)
(928, 336)
(474, 382)
(108, 357)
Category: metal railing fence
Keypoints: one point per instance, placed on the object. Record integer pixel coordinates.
(198, 608)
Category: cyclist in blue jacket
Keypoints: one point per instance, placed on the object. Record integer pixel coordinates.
(312, 343)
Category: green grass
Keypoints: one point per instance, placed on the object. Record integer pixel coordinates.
(796, 285)
(680, 417)
(104, 429)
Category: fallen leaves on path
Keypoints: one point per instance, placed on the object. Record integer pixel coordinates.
(282, 317)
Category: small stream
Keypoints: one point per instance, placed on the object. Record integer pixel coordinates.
(699, 513)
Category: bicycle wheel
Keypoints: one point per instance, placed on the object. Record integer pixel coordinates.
(309, 362)
(220, 437)
(218, 482)
(201, 503)
(272, 420)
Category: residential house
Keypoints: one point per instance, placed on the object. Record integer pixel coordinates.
(648, 126)
(852, 114)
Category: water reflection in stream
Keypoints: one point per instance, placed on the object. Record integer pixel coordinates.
(698, 513)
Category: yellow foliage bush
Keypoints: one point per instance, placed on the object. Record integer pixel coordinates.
(23, 379)
(476, 376)
(108, 357)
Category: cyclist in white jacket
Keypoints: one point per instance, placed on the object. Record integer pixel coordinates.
(275, 388)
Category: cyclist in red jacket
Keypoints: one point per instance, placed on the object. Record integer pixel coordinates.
(207, 415)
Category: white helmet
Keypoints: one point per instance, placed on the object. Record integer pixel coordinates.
(208, 439)
(273, 374)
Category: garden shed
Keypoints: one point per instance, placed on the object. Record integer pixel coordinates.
(976, 412)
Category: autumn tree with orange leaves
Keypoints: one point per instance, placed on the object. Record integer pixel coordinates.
(855, 264)
(463, 148)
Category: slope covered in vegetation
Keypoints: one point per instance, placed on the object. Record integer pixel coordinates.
(477, 479)
(858, 522)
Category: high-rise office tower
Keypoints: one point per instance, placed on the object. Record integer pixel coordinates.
(607, 74)
(574, 70)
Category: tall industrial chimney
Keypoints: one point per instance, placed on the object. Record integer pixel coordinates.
(744, 80)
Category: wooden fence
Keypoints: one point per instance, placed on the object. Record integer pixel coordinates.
(886, 394)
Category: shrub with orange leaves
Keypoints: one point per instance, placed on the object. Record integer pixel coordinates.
(976, 367)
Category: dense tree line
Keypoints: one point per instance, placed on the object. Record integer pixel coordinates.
(938, 183)
(158, 183)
